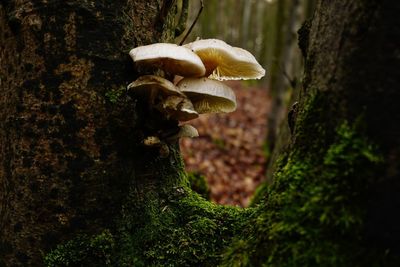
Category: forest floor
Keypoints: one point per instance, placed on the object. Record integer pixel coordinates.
(229, 151)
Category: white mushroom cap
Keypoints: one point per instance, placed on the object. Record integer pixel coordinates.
(224, 62)
(208, 96)
(171, 58)
(148, 83)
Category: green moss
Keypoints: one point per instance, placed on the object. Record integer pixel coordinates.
(83, 250)
(316, 204)
(198, 184)
(313, 213)
(114, 95)
(163, 223)
(179, 228)
(259, 194)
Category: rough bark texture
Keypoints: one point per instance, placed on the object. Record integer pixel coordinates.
(68, 145)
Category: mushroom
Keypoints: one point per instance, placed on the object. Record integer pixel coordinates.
(208, 96)
(179, 108)
(185, 130)
(152, 84)
(152, 141)
(224, 62)
(171, 58)
(174, 103)
(161, 142)
(188, 130)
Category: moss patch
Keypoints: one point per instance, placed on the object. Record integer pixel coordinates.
(83, 251)
(178, 228)
(313, 213)
(114, 95)
(182, 230)
(260, 193)
(162, 223)
(198, 184)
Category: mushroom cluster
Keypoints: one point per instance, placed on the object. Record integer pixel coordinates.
(203, 64)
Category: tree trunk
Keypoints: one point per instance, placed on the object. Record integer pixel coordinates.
(70, 138)
(284, 57)
(246, 23)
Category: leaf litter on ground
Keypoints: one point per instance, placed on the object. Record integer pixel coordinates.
(229, 149)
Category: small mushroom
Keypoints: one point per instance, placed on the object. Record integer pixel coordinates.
(170, 136)
(185, 130)
(224, 62)
(152, 141)
(179, 108)
(171, 58)
(152, 84)
(208, 96)
(188, 130)
(173, 103)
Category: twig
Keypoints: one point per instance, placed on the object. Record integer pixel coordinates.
(292, 81)
(194, 22)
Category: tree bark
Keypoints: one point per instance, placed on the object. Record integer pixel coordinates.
(69, 148)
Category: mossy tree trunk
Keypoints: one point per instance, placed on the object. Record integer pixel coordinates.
(334, 198)
(70, 138)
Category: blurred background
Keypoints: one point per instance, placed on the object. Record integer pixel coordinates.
(233, 150)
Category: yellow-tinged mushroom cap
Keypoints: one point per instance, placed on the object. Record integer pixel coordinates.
(224, 62)
(171, 58)
(208, 96)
